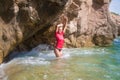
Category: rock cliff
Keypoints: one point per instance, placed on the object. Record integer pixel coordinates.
(116, 19)
(21, 19)
(28, 23)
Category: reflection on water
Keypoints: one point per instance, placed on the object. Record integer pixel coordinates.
(76, 64)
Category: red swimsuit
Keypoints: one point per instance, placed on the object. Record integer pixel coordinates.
(59, 39)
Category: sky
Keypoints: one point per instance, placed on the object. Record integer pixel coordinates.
(115, 6)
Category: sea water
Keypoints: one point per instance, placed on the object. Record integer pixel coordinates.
(98, 63)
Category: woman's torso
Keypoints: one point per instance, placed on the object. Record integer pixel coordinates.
(59, 39)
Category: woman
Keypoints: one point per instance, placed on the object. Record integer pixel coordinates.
(59, 35)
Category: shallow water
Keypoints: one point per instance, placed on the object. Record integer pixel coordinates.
(77, 64)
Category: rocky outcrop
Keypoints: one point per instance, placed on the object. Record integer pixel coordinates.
(21, 19)
(116, 19)
(28, 23)
(89, 24)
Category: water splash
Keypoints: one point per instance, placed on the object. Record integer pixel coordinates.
(3, 75)
(79, 63)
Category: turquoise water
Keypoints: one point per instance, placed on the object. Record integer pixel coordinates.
(77, 64)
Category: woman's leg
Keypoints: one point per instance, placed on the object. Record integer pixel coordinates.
(57, 52)
(60, 51)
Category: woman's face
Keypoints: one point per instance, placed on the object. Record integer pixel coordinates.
(60, 29)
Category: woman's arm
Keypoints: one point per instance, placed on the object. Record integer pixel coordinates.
(56, 28)
(65, 20)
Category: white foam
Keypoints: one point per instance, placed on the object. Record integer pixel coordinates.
(66, 55)
(2, 73)
(30, 61)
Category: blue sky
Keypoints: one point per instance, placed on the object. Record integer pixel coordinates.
(115, 6)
